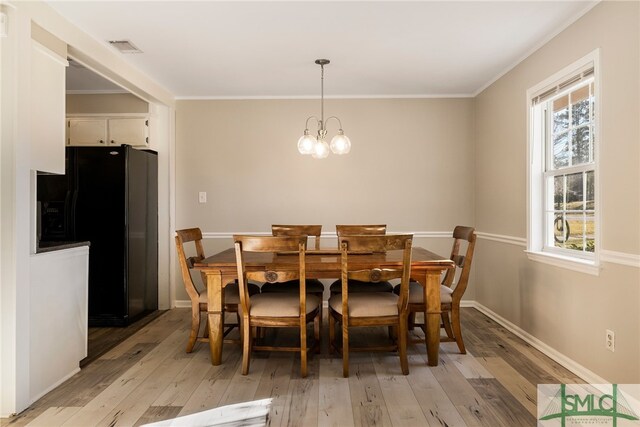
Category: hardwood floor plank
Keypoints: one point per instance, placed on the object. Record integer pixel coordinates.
(158, 413)
(470, 405)
(301, 408)
(467, 364)
(127, 412)
(274, 383)
(557, 373)
(101, 405)
(516, 384)
(404, 408)
(367, 400)
(54, 416)
(511, 412)
(434, 402)
(334, 407)
(180, 389)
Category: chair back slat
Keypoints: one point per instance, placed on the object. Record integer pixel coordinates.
(361, 230)
(298, 230)
(463, 262)
(186, 263)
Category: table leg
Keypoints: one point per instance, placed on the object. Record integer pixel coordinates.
(214, 314)
(432, 315)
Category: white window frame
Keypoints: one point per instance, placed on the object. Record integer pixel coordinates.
(537, 250)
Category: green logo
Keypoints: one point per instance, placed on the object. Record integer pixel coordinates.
(584, 407)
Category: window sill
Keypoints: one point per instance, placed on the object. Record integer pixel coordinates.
(575, 264)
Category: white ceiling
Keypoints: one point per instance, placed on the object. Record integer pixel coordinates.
(267, 49)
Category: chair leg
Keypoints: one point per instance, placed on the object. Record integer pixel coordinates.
(345, 349)
(412, 320)
(446, 323)
(402, 344)
(206, 326)
(246, 345)
(195, 327)
(457, 331)
(332, 333)
(317, 330)
(303, 349)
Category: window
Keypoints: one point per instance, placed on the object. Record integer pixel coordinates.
(563, 145)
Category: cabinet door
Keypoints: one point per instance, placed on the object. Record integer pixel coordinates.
(131, 131)
(87, 132)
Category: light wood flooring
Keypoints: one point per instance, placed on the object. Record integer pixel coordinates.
(149, 377)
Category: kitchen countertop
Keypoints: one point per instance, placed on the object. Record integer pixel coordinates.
(58, 246)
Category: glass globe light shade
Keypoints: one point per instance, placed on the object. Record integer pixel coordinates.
(340, 144)
(306, 143)
(320, 150)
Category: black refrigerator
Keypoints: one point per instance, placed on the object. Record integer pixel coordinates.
(109, 197)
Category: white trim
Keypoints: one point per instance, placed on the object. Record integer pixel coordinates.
(632, 260)
(548, 37)
(249, 98)
(573, 366)
(182, 303)
(50, 53)
(94, 91)
(570, 263)
(511, 240)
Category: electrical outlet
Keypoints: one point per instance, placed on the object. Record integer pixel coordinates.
(202, 197)
(610, 340)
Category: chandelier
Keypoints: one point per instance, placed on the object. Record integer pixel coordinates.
(316, 145)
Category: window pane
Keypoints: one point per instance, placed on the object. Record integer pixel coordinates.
(580, 106)
(580, 145)
(590, 228)
(558, 193)
(575, 193)
(576, 231)
(590, 190)
(561, 150)
(561, 114)
(561, 230)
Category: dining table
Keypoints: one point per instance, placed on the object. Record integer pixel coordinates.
(220, 269)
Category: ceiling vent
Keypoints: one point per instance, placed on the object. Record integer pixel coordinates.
(124, 46)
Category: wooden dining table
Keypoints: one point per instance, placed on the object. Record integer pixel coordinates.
(220, 269)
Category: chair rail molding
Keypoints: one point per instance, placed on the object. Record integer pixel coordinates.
(613, 257)
(229, 235)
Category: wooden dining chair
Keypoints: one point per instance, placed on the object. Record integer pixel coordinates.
(450, 293)
(198, 298)
(314, 286)
(355, 309)
(355, 285)
(276, 310)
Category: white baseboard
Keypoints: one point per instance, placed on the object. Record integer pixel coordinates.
(182, 303)
(581, 371)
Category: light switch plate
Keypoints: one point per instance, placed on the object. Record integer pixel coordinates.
(202, 197)
(3, 24)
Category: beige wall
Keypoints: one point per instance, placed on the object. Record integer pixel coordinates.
(411, 166)
(567, 310)
(107, 103)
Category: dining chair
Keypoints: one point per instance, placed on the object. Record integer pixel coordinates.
(450, 294)
(314, 286)
(356, 309)
(276, 310)
(355, 285)
(231, 295)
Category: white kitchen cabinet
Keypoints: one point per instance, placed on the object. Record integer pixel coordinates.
(108, 131)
